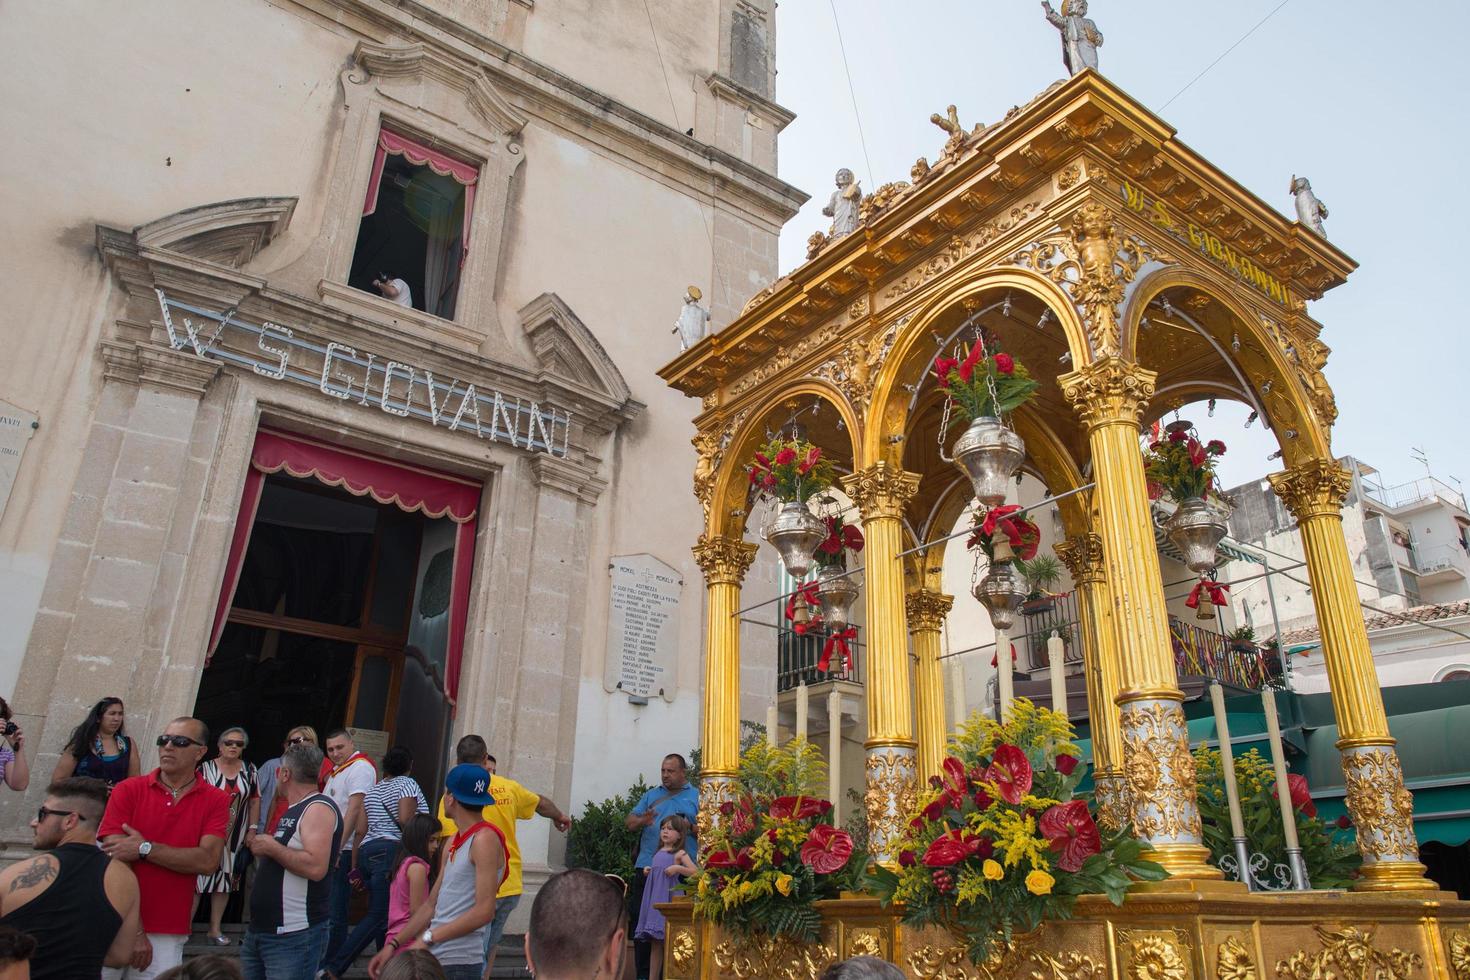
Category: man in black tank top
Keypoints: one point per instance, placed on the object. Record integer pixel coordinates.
(79, 904)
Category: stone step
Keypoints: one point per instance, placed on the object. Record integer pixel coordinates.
(510, 958)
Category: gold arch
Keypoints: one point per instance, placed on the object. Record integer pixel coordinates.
(889, 399)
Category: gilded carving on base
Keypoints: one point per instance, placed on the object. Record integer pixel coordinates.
(1459, 946)
(682, 949)
(773, 959)
(1380, 805)
(1155, 955)
(1160, 771)
(713, 792)
(1111, 793)
(1233, 961)
(892, 774)
(1349, 954)
(865, 942)
(1022, 958)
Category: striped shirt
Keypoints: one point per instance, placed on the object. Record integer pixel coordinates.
(381, 804)
(282, 902)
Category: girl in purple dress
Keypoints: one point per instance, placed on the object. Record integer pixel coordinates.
(671, 861)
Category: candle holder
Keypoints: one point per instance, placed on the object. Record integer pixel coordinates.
(1256, 870)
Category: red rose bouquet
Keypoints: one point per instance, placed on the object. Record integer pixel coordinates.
(985, 381)
(1180, 465)
(998, 843)
(790, 469)
(776, 852)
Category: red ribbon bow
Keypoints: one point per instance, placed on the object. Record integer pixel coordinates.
(807, 593)
(1215, 590)
(838, 641)
(1023, 534)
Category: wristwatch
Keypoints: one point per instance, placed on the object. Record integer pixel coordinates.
(145, 849)
(427, 938)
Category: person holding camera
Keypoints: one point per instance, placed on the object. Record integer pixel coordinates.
(393, 288)
(15, 772)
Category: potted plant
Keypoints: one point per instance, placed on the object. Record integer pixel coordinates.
(791, 471)
(1000, 844)
(776, 853)
(1183, 467)
(1041, 573)
(1243, 639)
(985, 385)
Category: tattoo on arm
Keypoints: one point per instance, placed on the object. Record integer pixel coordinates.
(42, 869)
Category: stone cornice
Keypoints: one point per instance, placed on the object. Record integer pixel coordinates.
(728, 88)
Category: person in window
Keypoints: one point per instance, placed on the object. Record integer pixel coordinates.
(393, 288)
(98, 747)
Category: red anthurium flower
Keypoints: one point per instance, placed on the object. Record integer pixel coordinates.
(799, 807)
(955, 777)
(942, 367)
(1197, 454)
(1301, 795)
(1004, 363)
(1023, 534)
(741, 822)
(935, 809)
(1066, 764)
(967, 366)
(744, 860)
(950, 849)
(786, 456)
(721, 861)
(852, 538)
(826, 849)
(1072, 833)
(1010, 772)
(763, 460)
(813, 456)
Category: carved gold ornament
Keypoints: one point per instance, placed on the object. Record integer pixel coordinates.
(1349, 954)
(1380, 805)
(1154, 956)
(925, 610)
(1068, 178)
(880, 490)
(713, 791)
(816, 243)
(706, 469)
(1316, 488)
(865, 942)
(724, 560)
(785, 357)
(1108, 390)
(880, 199)
(919, 170)
(1111, 793)
(1022, 958)
(1160, 770)
(961, 248)
(682, 949)
(890, 796)
(853, 369)
(1460, 954)
(1083, 556)
(773, 959)
(1233, 961)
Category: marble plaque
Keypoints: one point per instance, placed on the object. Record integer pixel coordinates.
(642, 626)
(16, 428)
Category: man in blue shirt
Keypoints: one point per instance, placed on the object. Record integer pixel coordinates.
(675, 795)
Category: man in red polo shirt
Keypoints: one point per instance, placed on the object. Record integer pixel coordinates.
(170, 827)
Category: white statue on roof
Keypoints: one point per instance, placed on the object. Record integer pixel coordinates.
(844, 204)
(1309, 210)
(1080, 36)
(693, 323)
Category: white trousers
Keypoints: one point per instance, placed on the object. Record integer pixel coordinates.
(168, 952)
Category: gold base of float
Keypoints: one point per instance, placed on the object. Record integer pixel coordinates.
(1159, 933)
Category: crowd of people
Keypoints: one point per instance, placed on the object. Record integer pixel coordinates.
(126, 859)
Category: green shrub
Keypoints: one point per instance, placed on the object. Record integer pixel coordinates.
(599, 841)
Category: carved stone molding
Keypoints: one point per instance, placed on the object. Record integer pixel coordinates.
(723, 560)
(881, 490)
(1315, 488)
(1108, 391)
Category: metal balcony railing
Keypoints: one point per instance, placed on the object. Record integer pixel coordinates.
(797, 656)
(1035, 625)
(1407, 494)
(1438, 558)
(1204, 653)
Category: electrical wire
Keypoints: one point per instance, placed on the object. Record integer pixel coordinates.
(851, 91)
(1222, 56)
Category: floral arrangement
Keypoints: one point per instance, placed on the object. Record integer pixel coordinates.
(999, 843)
(790, 469)
(776, 852)
(1332, 860)
(986, 381)
(1180, 465)
(1020, 532)
(842, 539)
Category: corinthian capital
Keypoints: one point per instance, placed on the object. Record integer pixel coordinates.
(724, 560)
(881, 490)
(1316, 488)
(926, 610)
(1083, 556)
(1108, 391)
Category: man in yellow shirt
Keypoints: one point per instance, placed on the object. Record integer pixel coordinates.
(513, 802)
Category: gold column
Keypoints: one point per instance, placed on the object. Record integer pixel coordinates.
(880, 492)
(1109, 395)
(1082, 554)
(926, 611)
(1380, 805)
(724, 562)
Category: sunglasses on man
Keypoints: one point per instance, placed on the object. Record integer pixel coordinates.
(177, 741)
(44, 812)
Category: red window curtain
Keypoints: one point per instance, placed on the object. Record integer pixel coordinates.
(467, 174)
(428, 492)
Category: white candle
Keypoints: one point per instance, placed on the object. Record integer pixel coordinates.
(1227, 760)
(1278, 760)
(957, 689)
(1056, 655)
(771, 735)
(834, 754)
(801, 709)
(1006, 687)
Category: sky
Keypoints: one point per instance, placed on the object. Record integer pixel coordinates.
(1361, 97)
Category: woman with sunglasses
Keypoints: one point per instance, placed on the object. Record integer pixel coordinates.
(99, 747)
(231, 773)
(272, 805)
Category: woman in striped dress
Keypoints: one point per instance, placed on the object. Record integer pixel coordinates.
(231, 773)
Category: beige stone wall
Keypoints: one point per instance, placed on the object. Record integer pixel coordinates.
(112, 544)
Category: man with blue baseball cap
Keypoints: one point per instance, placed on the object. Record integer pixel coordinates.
(451, 924)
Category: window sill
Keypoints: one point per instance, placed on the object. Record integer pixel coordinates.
(382, 311)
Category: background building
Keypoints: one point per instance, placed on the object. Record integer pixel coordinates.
(260, 491)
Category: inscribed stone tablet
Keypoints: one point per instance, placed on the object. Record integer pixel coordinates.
(642, 626)
(16, 427)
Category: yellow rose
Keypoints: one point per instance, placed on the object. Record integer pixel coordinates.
(1039, 883)
(783, 884)
(993, 871)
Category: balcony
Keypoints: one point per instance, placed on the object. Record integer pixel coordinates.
(1038, 619)
(1202, 655)
(797, 656)
(1440, 563)
(1415, 492)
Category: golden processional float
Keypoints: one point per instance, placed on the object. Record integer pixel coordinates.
(1081, 233)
